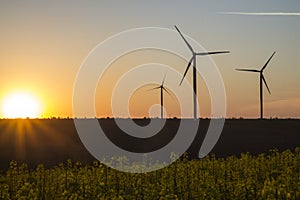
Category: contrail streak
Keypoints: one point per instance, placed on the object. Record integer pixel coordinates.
(262, 13)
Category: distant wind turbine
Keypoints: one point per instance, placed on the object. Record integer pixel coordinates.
(261, 79)
(193, 59)
(161, 87)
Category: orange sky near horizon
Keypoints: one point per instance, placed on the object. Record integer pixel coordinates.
(44, 44)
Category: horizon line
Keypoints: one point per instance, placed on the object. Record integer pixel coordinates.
(134, 118)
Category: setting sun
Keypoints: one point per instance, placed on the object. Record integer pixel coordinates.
(20, 105)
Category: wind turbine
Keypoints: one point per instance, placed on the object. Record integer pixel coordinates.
(193, 59)
(261, 79)
(162, 88)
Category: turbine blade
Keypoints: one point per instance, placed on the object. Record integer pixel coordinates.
(165, 89)
(190, 47)
(187, 68)
(210, 53)
(248, 70)
(263, 78)
(155, 88)
(268, 62)
(164, 79)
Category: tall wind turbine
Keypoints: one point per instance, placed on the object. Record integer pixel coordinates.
(193, 59)
(261, 79)
(162, 88)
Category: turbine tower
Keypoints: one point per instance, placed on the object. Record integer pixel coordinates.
(193, 60)
(162, 88)
(261, 79)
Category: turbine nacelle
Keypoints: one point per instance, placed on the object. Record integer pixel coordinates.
(162, 88)
(260, 72)
(262, 80)
(193, 58)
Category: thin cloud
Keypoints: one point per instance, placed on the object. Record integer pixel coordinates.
(262, 13)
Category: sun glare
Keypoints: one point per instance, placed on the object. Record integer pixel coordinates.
(20, 105)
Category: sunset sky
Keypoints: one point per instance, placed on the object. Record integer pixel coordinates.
(43, 45)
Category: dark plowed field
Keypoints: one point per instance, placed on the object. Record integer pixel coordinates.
(54, 141)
